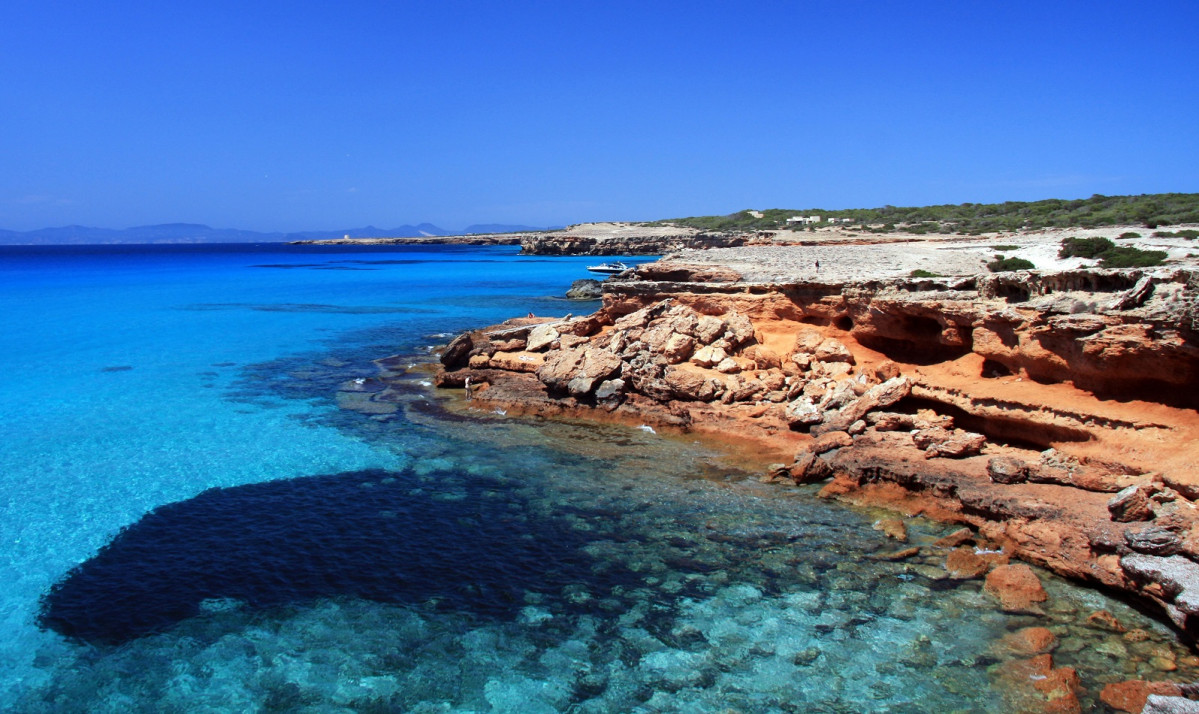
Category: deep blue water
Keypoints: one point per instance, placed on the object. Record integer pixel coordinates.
(208, 505)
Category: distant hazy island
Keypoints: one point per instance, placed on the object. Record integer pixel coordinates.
(1148, 210)
(183, 233)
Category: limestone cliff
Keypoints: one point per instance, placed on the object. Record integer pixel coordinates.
(1054, 413)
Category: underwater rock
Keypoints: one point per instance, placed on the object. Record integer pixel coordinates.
(964, 564)
(1131, 695)
(1030, 641)
(892, 528)
(1017, 588)
(1105, 620)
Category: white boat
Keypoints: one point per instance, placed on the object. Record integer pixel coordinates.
(608, 268)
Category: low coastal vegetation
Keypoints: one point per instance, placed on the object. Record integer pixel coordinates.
(1002, 264)
(1149, 210)
(1189, 233)
(1109, 254)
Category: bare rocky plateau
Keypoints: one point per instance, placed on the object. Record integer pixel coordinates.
(1051, 413)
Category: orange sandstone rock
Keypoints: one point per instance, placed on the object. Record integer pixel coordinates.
(1030, 641)
(1105, 620)
(1130, 696)
(964, 563)
(892, 528)
(1034, 685)
(1017, 588)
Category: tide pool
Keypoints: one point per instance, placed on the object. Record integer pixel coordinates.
(191, 523)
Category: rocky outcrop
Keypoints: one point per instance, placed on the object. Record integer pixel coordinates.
(585, 289)
(1052, 415)
(644, 242)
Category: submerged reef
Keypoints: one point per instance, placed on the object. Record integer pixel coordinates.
(374, 535)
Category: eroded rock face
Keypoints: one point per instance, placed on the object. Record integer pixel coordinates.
(850, 376)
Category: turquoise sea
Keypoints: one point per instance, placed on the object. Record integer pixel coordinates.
(211, 504)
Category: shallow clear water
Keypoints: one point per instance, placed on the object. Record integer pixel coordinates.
(392, 556)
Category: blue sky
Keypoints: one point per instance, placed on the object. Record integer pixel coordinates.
(317, 115)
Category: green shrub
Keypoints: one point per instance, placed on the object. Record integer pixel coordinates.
(1186, 233)
(1084, 247)
(1129, 257)
(1130, 234)
(1005, 247)
(922, 273)
(1001, 264)
(1109, 254)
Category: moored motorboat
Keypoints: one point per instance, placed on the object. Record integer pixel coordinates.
(608, 268)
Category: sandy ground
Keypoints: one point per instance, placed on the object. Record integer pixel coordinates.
(844, 256)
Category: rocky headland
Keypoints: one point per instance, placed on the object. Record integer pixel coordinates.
(1050, 412)
(607, 239)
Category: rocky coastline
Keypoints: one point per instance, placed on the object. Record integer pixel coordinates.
(1052, 413)
(582, 239)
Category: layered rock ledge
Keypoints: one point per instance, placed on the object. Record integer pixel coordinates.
(1051, 413)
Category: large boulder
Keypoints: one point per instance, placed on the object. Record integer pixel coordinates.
(802, 412)
(809, 468)
(678, 347)
(1007, 470)
(585, 289)
(682, 319)
(689, 386)
(1133, 695)
(708, 356)
(876, 397)
(739, 330)
(578, 371)
(708, 328)
(807, 341)
(609, 389)
(1131, 504)
(541, 337)
(763, 357)
(832, 350)
(457, 354)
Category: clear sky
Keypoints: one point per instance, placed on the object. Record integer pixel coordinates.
(323, 115)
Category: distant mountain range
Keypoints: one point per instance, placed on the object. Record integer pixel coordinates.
(198, 233)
